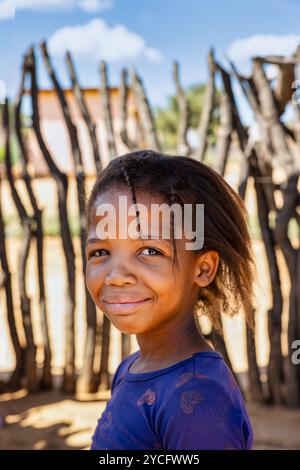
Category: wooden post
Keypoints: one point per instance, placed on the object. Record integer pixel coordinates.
(61, 181)
(207, 110)
(106, 109)
(123, 112)
(15, 379)
(79, 96)
(147, 121)
(255, 384)
(183, 147)
(26, 221)
(278, 142)
(85, 380)
(46, 381)
(223, 135)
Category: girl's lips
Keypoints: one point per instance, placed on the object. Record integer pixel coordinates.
(124, 308)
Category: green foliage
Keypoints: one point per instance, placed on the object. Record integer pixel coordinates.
(166, 119)
(14, 150)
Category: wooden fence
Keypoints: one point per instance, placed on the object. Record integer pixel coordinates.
(277, 203)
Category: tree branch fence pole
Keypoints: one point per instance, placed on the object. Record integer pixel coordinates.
(85, 380)
(61, 181)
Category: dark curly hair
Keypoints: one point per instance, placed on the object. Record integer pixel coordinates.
(185, 180)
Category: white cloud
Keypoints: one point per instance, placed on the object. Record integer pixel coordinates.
(8, 7)
(97, 40)
(94, 6)
(241, 50)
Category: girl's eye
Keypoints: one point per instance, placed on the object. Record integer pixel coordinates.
(98, 253)
(152, 251)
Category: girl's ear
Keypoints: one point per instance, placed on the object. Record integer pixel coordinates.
(207, 266)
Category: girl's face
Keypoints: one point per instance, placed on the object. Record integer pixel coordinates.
(133, 281)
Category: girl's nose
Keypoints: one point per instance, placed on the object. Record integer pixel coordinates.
(119, 276)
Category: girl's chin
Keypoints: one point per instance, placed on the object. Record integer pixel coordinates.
(128, 325)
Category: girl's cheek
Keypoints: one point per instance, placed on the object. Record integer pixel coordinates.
(94, 277)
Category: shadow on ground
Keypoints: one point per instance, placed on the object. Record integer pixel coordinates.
(52, 420)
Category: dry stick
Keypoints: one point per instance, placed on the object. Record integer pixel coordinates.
(286, 76)
(207, 110)
(261, 171)
(265, 164)
(291, 255)
(26, 222)
(255, 384)
(106, 109)
(85, 382)
(283, 88)
(145, 113)
(15, 379)
(223, 135)
(104, 380)
(270, 115)
(276, 60)
(183, 146)
(284, 215)
(2, 274)
(92, 330)
(297, 215)
(275, 367)
(38, 233)
(130, 144)
(79, 96)
(236, 120)
(275, 362)
(61, 181)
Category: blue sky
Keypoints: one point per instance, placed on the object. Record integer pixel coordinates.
(147, 35)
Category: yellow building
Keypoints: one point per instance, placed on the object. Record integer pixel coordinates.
(56, 136)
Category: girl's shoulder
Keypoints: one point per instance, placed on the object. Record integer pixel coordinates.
(204, 398)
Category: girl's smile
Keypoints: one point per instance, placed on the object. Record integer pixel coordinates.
(124, 308)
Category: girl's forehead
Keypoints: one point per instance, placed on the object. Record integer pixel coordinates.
(115, 210)
(112, 196)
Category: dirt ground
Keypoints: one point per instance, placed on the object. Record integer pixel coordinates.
(51, 421)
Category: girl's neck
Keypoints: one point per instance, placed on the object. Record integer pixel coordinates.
(168, 346)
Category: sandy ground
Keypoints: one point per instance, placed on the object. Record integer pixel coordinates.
(51, 420)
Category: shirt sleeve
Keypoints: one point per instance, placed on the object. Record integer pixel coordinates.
(200, 415)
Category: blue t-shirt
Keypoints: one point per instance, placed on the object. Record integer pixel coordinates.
(194, 404)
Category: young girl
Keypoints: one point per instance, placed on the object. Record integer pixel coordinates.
(175, 392)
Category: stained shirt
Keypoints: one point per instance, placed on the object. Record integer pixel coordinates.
(194, 404)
